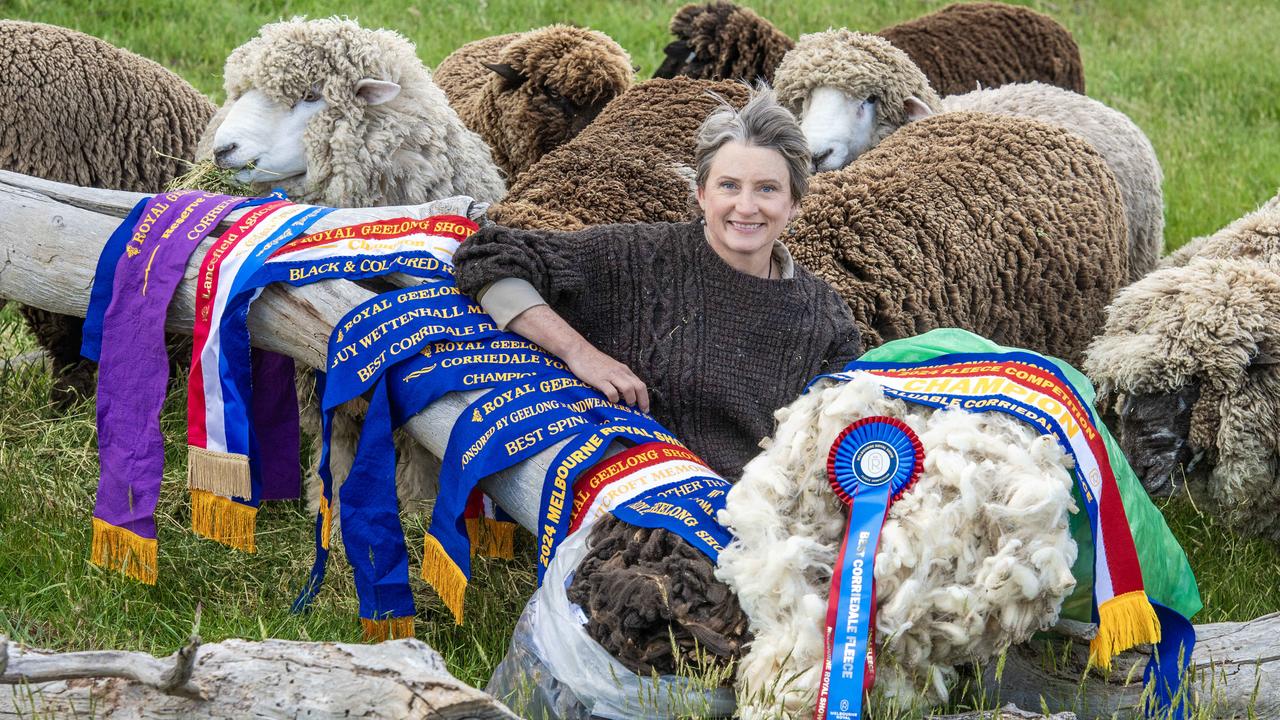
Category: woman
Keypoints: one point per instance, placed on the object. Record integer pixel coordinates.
(707, 324)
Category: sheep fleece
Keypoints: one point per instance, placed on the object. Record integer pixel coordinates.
(973, 558)
(633, 164)
(81, 111)
(728, 42)
(966, 46)
(1003, 226)
(1211, 313)
(521, 124)
(1125, 147)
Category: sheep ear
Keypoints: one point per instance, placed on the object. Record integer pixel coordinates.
(916, 109)
(506, 72)
(376, 92)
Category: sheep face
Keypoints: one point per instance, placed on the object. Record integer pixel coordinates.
(882, 88)
(262, 138)
(1154, 434)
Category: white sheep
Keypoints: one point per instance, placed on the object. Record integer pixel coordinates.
(851, 90)
(340, 115)
(344, 116)
(975, 557)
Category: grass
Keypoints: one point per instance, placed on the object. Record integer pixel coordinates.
(1198, 77)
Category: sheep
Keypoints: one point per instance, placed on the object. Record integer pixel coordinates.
(85, 112)
(632, 164)
(1190, 351)
(960, 48)
(722, 41)
(1001, 225)
(966, 46)
(528, 93)
(851, 90)
(339, 115)
(348, 117)
(1000, 571)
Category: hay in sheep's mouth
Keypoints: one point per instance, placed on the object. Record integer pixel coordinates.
(207, 176)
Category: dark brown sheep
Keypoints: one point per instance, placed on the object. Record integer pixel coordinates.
(79, 110)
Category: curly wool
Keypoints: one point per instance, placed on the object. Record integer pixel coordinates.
(975, 557)
(865, 65)
(569, 74)
(81, 111)
(862, 66)
(1128, 152)
(633, 164)
(968, 46)
(1210, 316)
(723, 41)
(409, 150)
(653, 602)
(1004, 226)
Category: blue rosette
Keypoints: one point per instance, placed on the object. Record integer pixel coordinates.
(872, 452)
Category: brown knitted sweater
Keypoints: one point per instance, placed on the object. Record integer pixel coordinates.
(719, 350)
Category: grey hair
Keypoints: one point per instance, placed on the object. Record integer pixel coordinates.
(762, 122)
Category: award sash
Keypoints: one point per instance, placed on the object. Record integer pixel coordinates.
(507, 425)
(368, 341)
(127, 338)
(657, 483)
(1032, 389)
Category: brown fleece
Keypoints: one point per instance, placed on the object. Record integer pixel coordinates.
(1004, 226)
(569, 74)
(727, 42)
(1210, 316)
(651, 598)
(81, 111)
(988, 44)
(634, 163)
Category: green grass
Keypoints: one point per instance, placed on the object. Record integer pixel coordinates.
(1199, 77)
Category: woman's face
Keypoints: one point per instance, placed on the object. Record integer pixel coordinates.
(746, 199)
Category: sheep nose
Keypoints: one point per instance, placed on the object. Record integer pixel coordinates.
(820, 157)
(222, 155)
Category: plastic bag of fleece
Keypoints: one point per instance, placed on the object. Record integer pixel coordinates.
(554, 670)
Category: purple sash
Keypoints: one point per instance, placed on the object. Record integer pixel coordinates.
(133, 374)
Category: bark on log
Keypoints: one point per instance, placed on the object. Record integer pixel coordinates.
(1235, 674)
(50, 238)
(239, 679)
(1008, 712)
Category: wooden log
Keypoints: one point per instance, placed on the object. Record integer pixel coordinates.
(50, 239)
(1008, 712)
(240, 679)
(1235, 673)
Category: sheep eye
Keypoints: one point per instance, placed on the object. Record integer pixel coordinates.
(312, 95)
(554, 96)
(873, 99)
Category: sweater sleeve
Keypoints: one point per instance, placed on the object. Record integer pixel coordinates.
(552, 262)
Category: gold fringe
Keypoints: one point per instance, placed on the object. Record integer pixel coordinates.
(1123, 622)
(223, 520)
(326, 522)
(439, 570)
(115, 548)
(225, 474)
(387, 629)
(492, 538)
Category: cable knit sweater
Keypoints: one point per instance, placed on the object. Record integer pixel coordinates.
(719, 350)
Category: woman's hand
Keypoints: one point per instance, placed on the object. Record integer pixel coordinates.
(545, 327)
(609, 376)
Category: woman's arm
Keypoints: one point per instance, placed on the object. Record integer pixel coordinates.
(545, 327)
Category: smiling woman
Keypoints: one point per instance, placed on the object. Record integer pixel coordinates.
(708, 324)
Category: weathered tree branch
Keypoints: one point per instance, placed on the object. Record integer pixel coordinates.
(1235, 672)
(239, 679)
(1008, 712)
